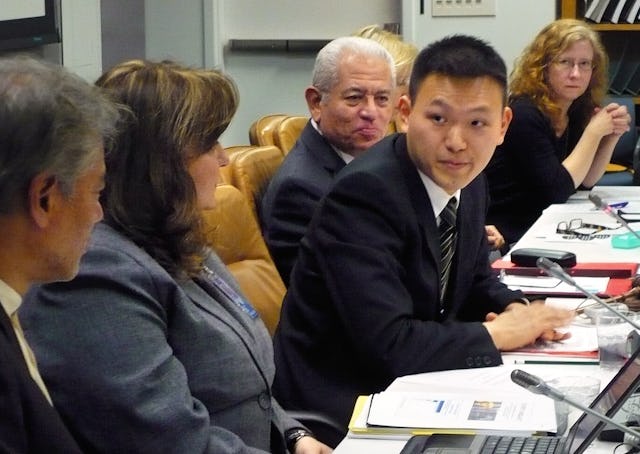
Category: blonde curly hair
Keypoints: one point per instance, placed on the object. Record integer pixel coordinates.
(402, 52)
(529, 76)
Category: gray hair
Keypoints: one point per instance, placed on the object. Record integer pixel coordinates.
(50, 120)
(325, 70)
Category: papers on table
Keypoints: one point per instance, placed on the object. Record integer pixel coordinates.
(545, 230)
(487, 412)
(552, 285)
(610, 194)
(630, 212)
(479, 379)
(583, 343)
(483, 400)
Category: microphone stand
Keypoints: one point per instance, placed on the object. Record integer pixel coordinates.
(523, 379)
(555, 270)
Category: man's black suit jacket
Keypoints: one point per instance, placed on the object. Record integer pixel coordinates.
(293, 195)
(28, 422)
(363, 305)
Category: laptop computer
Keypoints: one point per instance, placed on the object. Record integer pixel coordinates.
(579, 437)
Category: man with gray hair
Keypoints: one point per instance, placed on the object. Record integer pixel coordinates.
(350, 101)
(52, 131)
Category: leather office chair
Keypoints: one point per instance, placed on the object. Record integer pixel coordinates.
(250, 169)
(232, 154)
(233, 232)
(624, 169)
(261, 130)
(287, 132)
(391, 129)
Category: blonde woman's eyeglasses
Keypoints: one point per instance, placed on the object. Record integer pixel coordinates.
(567, 64)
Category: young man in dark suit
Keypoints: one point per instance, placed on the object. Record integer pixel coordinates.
(52, 126)
(393, 276)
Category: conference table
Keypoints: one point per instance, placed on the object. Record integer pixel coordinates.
(543, 235)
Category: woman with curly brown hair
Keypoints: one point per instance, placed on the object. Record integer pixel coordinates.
(560, 137)
(166, 354)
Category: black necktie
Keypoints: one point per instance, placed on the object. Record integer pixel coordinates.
(447, 242)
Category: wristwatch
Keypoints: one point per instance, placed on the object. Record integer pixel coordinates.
(292, 436)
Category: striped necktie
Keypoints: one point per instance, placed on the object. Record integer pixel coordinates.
(447, 230)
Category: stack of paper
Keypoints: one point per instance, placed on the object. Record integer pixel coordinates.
(483, 400)
(394, 414)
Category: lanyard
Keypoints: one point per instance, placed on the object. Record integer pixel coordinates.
(230, 293)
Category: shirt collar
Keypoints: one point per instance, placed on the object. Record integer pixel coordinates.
(9, 298)
(438, 196)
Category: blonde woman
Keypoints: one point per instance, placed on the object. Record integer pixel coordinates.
(403, 54)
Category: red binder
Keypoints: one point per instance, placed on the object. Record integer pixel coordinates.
(594, 269)
(621, 274)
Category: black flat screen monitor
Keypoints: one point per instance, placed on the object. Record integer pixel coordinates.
(26, 32)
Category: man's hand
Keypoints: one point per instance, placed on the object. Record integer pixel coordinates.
(309, 445)
(521, 325)
(494, 237)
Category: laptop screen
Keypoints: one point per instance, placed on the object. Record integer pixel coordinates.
(608, 402)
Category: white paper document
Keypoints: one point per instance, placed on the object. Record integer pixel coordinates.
(488, 412)
(480, 381)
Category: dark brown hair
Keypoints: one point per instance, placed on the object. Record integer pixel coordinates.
(176, 113)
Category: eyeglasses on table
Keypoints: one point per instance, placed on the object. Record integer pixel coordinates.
(577, 228)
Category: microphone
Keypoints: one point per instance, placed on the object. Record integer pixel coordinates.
(535, 384)
(554, 270)
(538, 386)
(602, 205)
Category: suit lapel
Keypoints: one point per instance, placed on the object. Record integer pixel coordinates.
(202, 291)
(420, 201)
(10, 335)
(318, 146)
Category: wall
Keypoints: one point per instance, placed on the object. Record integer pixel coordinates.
(273, 82)
(174, 30)
(123, 33)
(326, 19)
(516, 22)
(81, 41)
(268, 81)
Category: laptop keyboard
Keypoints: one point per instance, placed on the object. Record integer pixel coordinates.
(495, 444)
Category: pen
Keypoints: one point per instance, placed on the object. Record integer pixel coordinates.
(619, 204)
(633, 292)
(542, 361)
